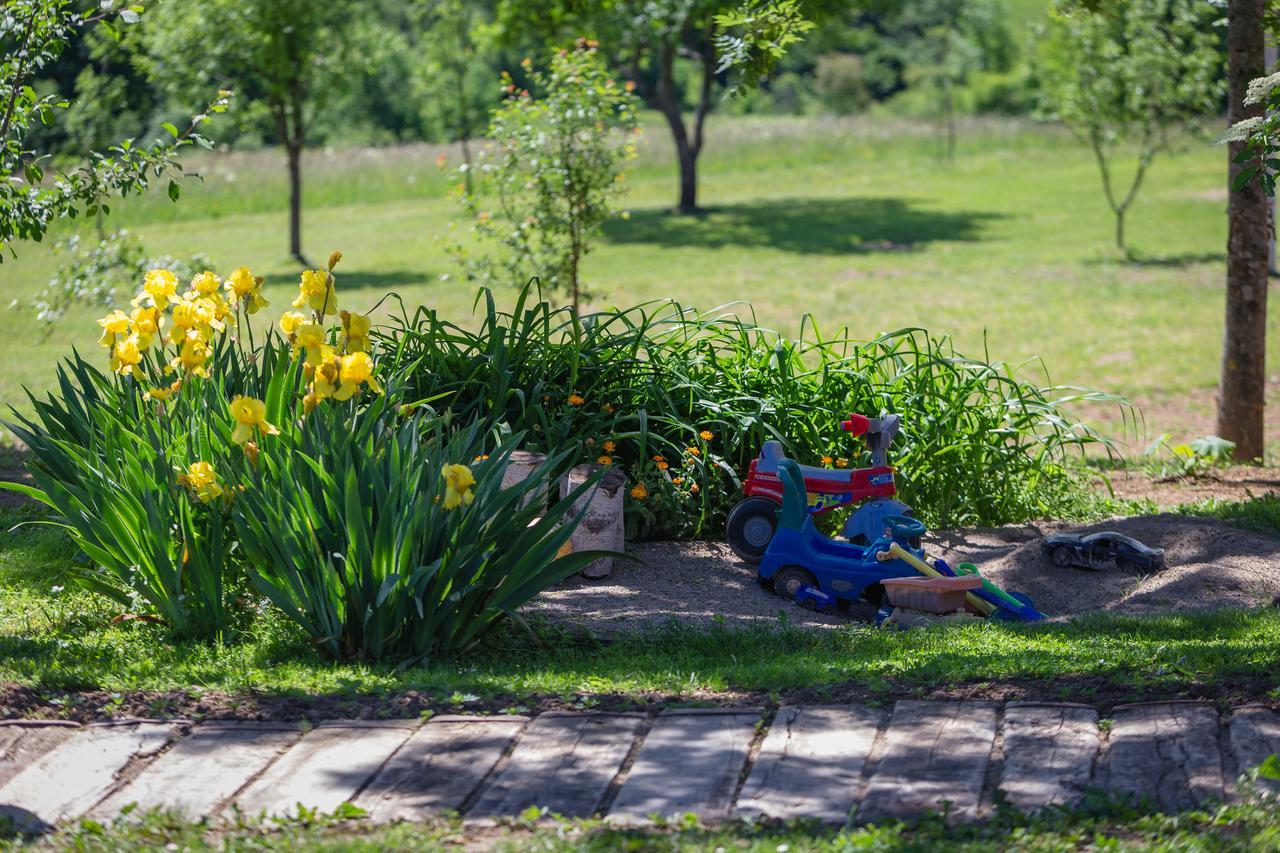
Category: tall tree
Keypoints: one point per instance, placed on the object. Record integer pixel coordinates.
(285, 54)
(1242, 387)
(644, 39)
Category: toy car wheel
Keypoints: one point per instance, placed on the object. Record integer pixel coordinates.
(1063, 556)
(788, 580)
(750, 528)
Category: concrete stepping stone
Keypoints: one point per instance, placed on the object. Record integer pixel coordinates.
(202, 771)
(691, 761)
(23, 741)
(810, 764)
(1254, 732)
(439, 767)
(934, 757)
(326, 768)
(1049, 753)
(563, 762)
(1167, 751)
(70, 779)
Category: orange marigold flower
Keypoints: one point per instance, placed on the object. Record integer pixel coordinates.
(706, 435)
(841, 462)
(605, 460)
(639, 492)
(693, 451)
(609, 446)
(575, 400)
(675, 481)
(827, 460)
(662, 466)
(659, 458)
(693, 488)
(481, 457)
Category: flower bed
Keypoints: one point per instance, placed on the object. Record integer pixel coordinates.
(350, 477)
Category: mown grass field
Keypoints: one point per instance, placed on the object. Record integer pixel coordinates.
(856, 222)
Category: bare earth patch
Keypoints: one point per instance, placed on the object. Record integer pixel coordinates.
(1211, 565)
(1227, 484)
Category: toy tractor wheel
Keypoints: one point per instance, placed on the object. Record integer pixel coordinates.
(789, 579)
(750, 528)
(1063, 556)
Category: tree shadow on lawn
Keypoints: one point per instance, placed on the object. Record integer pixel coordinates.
(381, 280)
(810, 226)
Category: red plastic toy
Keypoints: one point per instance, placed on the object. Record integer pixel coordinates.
(752, 522)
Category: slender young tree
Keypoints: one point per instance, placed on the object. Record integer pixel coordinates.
(285, 54)
(1243, 384)
(1129, 74)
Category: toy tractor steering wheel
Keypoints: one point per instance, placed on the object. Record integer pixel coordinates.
(904, 526)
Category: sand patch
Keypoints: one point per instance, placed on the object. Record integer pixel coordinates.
(1211, 565)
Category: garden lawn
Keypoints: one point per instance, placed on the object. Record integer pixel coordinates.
(61, 655)
(856, 222)
(1110, 825)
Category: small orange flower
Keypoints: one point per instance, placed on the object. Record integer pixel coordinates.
(575, 400)
(675, 481)
(481, 457)
(609, 446)
(662, 466)
(607, 409)
(827, 460)
(659, 458)
(605, 460)
(841, 462)
(706, 435)
(693, 451)
(639, 492)
(693, 488)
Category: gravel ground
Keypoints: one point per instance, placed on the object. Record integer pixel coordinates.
(698, 583)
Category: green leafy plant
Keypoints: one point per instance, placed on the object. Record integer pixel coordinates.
(125, 478)
(1170, 461)
(556, 170)
(33, 34)
(979, 444)
(362, 534)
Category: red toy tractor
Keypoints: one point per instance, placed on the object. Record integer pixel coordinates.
(752, 522)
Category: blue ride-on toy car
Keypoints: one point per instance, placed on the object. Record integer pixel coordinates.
(799, 558)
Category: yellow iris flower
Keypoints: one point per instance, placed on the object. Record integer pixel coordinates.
(202, 480)
(458, 481)
(145, 323)
(355, 332)
(316, 291)
(291, 321)
(126, 356)
(160, 286)
(113, 325)
(250, 416)
(193, 357)
(206, 283)
(356, 369)
(246, 287)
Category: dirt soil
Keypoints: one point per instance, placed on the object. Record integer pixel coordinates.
(1210, 565)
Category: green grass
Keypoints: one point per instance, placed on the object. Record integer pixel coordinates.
(61, 640)
(853, 221)
(1099, 824)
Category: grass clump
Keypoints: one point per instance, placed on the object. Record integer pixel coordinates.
(683, 401)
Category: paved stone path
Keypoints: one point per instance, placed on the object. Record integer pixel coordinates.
(824, 762)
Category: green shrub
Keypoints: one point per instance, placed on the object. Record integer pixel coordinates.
(112, 468)
(353, 533)
(979, 444)
(840, 83)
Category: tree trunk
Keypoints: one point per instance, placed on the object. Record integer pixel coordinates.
(294, 153)
(1120, 229)
(1242, 390)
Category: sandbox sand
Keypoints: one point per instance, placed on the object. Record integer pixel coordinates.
(1210, 565)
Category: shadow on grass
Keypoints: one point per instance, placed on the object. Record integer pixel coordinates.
(1174, 261)
(811, 226)
(381, 280)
